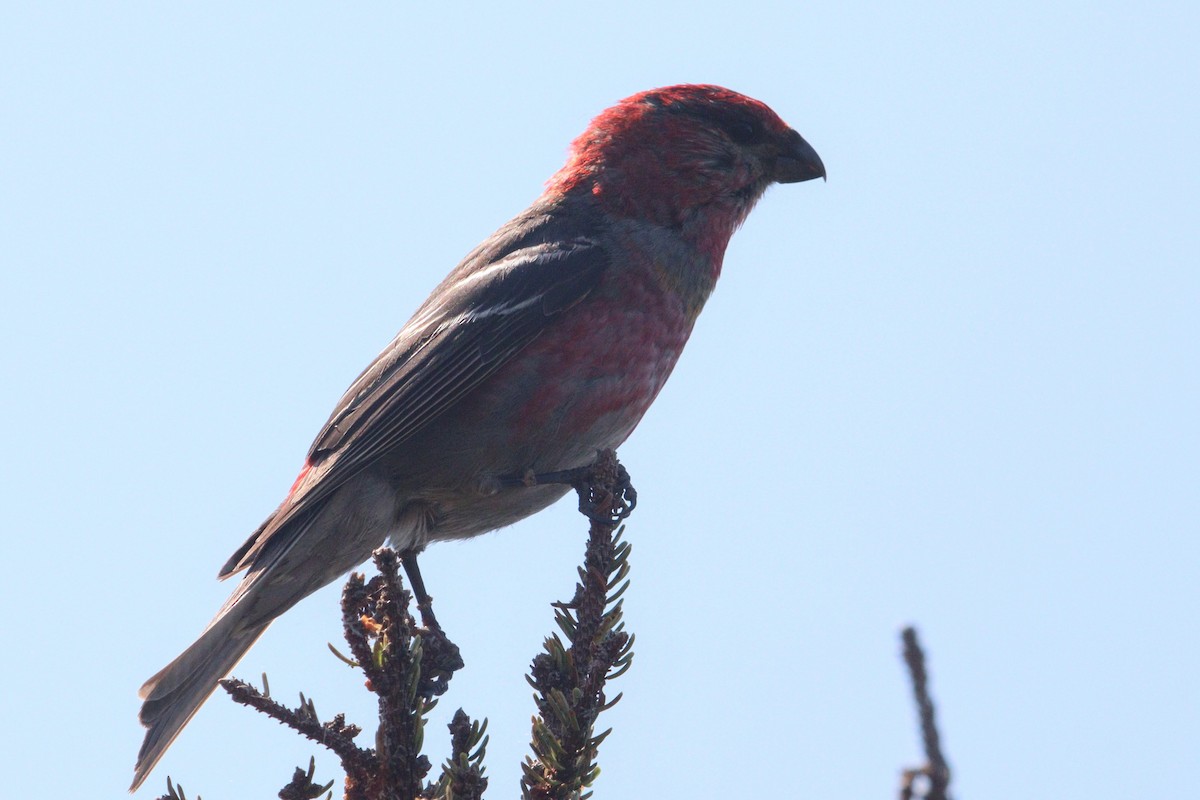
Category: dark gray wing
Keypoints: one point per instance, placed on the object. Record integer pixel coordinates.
(494, 304)
(452, 344)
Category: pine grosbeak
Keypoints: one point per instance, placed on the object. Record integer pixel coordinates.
(546, 344)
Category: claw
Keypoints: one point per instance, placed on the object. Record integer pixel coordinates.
(598, 506)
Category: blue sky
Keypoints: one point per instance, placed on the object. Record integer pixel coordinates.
(957, 385)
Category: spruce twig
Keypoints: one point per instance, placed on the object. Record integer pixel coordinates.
(569, 679)
(462, 774)
(302, 786)
(408, 667)
(174, 792)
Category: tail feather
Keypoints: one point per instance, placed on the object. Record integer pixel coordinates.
(285, 565)
(174, 695)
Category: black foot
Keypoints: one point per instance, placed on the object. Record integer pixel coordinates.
(599, 507)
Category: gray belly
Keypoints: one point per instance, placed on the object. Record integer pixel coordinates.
(470, 512)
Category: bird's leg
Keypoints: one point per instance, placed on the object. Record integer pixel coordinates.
(424, 602)
(623, 501)
(440, 657)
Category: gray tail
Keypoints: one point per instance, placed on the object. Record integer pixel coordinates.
(174, 695)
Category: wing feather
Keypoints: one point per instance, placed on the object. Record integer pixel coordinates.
(475, 332)
(476, 321)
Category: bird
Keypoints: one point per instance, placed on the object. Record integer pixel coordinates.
(545, 345)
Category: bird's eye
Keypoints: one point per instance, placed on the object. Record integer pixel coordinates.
(743, 131)
(740, 125)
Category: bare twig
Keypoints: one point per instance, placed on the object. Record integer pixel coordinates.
(935, 771)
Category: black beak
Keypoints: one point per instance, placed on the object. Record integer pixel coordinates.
(796, 160)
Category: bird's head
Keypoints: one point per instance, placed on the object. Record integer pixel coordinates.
(686, 155)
